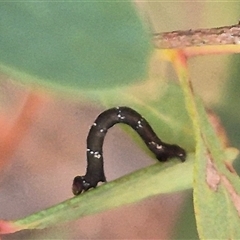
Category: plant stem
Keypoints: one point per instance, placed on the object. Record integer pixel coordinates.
(200, 37)
(201, 41)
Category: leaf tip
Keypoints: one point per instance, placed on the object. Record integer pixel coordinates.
(7, 227)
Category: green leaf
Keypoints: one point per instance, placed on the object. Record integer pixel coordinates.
(73, 45)
(216, 186)
(218, 212)
(156, 179)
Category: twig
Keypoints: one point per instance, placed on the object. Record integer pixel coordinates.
(227, 35)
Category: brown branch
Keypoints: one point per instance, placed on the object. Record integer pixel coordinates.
(228, 35)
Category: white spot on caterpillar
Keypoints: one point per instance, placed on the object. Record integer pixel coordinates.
(121, 117)
(157, 146)
(139, 123)
(97, 154)
(94, 124)
(102, 130)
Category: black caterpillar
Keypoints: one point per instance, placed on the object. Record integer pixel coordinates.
(108, 118)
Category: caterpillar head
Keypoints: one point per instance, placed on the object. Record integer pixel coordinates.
(79, 185)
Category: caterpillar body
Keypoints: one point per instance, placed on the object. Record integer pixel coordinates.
(107, 119)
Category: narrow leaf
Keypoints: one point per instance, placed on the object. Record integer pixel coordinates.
(156, 179)
(216, 185)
